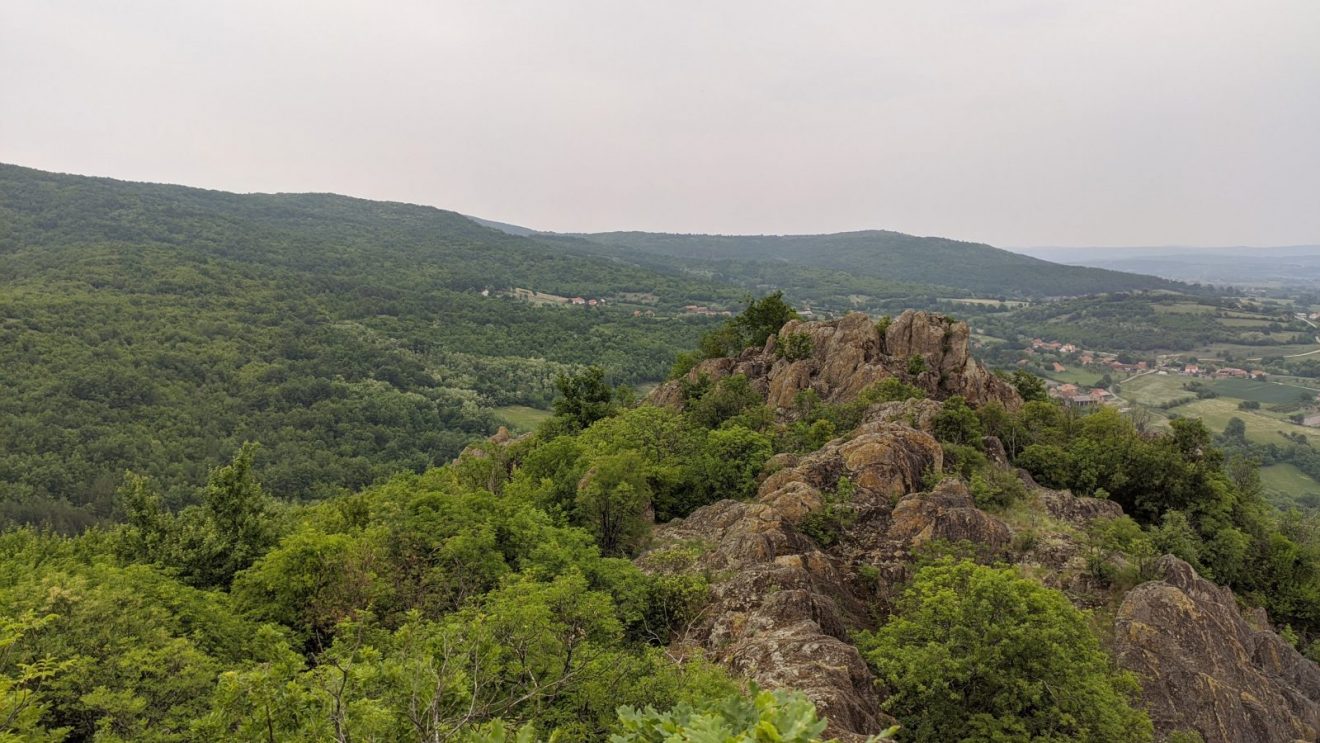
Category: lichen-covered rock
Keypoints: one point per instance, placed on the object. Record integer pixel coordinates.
(882, 463)
(1204, 667)
(848, 355)
(1079, 511)
(948, 514)
(942, 344)
(782, 610)
(918, 414)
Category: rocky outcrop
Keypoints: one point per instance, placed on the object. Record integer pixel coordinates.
(886, 539)
(1203, 667)
(782, 609)
(1076, 510)
(950, 369)
(947, 514)
(850, 354)
(881, 462)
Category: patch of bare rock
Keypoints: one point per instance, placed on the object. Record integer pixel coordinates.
(850, 354)
(1204, 667)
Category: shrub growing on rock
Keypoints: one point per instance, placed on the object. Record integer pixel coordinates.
(980, 653)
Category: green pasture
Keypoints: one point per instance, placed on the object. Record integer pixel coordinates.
(1265, 393)
(1285, 486)
(521, 417)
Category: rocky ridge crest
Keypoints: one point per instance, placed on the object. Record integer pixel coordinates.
(783, 606)
(852, 353)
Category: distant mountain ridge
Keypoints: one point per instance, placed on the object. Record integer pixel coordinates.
(978, 268)
(1285, 265)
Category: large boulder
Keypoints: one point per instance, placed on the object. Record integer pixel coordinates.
(1203, 667)
(883, 462)
(946, 514)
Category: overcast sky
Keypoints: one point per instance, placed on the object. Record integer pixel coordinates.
(1014, 122)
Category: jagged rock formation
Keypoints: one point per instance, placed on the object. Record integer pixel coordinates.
(783, 607)
(850, 354)
(1204, 667)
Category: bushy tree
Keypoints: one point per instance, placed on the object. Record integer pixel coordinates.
(584, 398)
(957, 423)
(1029, 386)
(611, 501)
(759, 320)
(980, 653)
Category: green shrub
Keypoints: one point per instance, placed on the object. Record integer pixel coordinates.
(957, 423)
(995, 489)
(891, 389)
(980, 653)
(827, 525)
(794, 347)
(779, 716)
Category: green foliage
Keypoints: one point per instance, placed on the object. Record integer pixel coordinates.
(827, 524)
(1197, 504)
(882, 327)
(1118, 552)
(207, 544)
(957, 423)
(1029, 386)
(759, 320)
(794, 347)
(979, 653)
(21, 702)
(995, 488)
(916, 365)
(765, 716)
(731, 460)
(891, 389)
(611, 501)
(156, 328)
(763, 318)
(725, 399)
(584, 398)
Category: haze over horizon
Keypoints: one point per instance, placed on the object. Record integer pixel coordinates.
(1030, 123)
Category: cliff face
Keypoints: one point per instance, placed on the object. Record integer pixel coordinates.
(783, 607)
(1203, 667)
(850, 354)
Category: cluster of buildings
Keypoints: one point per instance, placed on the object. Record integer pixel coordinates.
(1222, 372)
(1084, 357)
(698, 309)
(1074, 396)
(1110, 361)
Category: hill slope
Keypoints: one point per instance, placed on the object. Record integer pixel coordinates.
(895, 257)
(156, 328)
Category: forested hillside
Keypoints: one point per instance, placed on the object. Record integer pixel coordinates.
(828, 509)
(156, 328)
(893, 257)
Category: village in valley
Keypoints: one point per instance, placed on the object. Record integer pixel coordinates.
(1058, 358)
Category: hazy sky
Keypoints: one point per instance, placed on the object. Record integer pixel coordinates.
(1016, 122)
